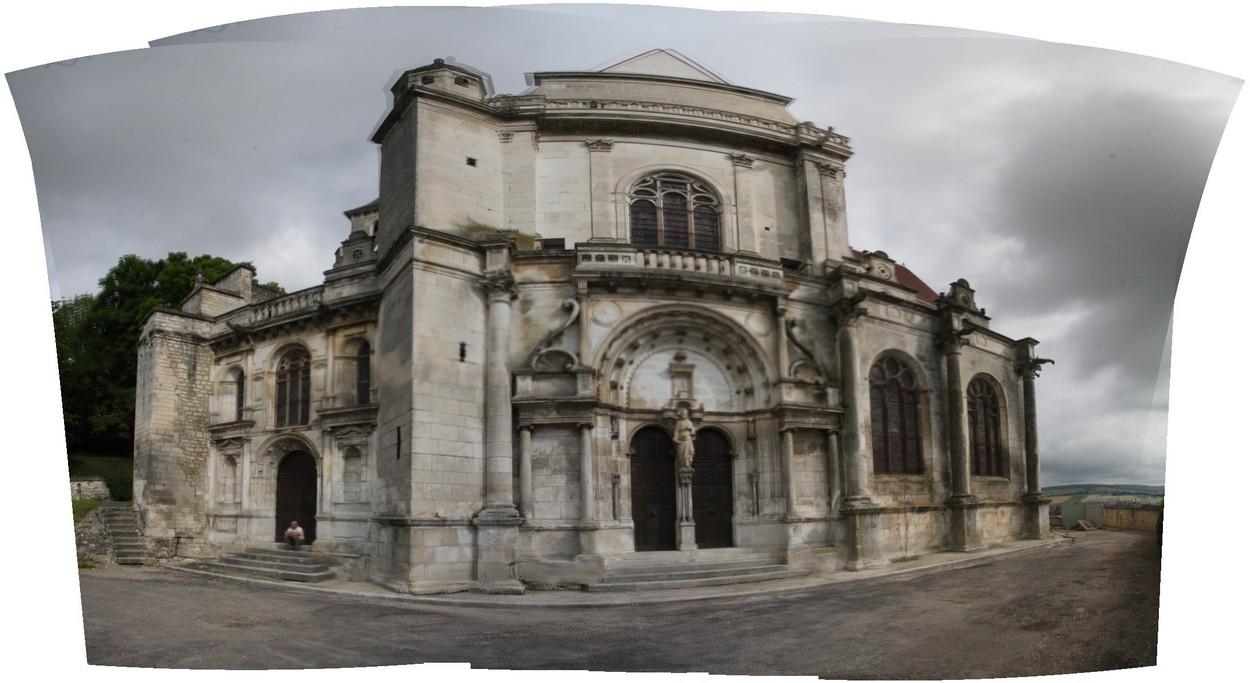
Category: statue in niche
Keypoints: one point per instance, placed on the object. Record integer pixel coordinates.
(683, 439)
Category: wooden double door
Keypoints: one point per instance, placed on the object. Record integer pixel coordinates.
(297, 495)
(653, 480)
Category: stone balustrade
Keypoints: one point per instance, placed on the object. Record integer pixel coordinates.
(614, 258)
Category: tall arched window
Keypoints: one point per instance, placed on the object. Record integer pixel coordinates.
(293, 389)
(983, 430)
(674, 210)
(895, 403)
(363, 378)
(239, 394)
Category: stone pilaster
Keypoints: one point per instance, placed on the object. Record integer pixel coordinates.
(601, 177)
(787, 472)
(527, 471)
(744, 198)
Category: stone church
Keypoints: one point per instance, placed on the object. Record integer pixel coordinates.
(614, 317)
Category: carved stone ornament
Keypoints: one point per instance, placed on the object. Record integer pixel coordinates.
(600, 145)
(847, 311)
(830, 170)
(742, 160)
(553, 364)
(1031, 367)
(500, 284)
(505, 136)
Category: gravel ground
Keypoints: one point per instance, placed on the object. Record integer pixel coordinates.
(1085, 607)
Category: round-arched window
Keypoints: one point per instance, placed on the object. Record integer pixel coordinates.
(984, 424)
(674, 210)
(894, 397)
(294, 389)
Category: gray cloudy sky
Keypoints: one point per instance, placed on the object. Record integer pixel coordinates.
(1061, 181)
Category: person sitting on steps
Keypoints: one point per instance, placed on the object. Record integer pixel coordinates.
(294, 536)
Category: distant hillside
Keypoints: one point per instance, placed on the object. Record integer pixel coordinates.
(1104, 489)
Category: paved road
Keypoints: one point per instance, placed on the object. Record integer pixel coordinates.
(1085, 607)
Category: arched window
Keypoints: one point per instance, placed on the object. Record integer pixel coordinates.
(895, 404)
(362, 374)
(294, 389)
(239, 396)
(985, 447)
(674, 210)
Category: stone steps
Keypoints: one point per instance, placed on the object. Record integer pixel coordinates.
(693, 569)
(271, 563)
(122, 525)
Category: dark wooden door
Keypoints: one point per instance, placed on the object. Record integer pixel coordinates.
(653, 490)
(297, 494)
(712, 491)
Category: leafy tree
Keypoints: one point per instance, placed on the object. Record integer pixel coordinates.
(97, 344)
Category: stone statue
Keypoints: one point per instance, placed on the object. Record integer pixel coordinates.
(683, 438)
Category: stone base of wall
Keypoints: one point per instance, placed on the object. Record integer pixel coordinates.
(88, 488)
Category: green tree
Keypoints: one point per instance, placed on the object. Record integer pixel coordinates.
(97, 344)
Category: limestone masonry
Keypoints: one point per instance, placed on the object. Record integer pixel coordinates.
(554, 294)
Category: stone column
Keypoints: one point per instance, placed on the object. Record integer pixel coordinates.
(527, 471)
(498, 520)
(956, 418)
(685, 509)
(854, 449)
(832, 463)
(602, 228)
(502, 290)
(744, 198)
(787, 471)
(965, 532)
(1037, 505)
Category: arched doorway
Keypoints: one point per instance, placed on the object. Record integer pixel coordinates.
(654, 490)
(297, 494)
(712, 490)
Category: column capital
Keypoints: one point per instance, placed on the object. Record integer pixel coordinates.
(500, 285)
(742, 160)
(600, 145)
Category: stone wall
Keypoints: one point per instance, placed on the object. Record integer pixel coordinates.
(88, 488)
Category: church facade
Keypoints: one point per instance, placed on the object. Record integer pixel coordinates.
(616, 314)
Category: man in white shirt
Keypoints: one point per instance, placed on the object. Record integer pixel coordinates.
(294, 535)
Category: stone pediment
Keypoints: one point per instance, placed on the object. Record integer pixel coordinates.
(667, 63)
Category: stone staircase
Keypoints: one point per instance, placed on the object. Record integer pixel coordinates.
(693, 569)
(122, 524)
(276, 562)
